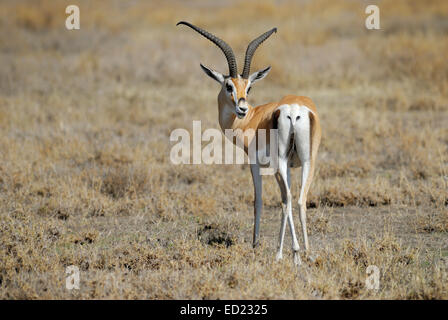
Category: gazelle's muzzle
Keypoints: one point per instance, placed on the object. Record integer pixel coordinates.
(242, 108)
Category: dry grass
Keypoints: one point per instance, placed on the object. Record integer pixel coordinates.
(85, 176)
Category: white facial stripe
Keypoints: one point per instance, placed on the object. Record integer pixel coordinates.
(248, 85)
(234, 90)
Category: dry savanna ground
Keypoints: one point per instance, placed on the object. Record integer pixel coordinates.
(86, 178)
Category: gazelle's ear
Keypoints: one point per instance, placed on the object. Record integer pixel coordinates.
(215, 75)
(258, 75)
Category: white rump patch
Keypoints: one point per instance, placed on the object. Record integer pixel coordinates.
(294, 123)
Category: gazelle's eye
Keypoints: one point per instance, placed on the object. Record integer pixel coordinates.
(248, 90)
(229, 88)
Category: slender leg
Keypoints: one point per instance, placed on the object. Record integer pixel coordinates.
(282, 190)
(295, 243)
(284, 178)
(258, 202)
(306, 146)
(307, 176)
(281, 184)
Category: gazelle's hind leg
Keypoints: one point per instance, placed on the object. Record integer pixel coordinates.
(302, 132)
(285, 187)
(303, 124)
(307, 176)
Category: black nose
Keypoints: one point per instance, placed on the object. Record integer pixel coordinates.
(241, 100)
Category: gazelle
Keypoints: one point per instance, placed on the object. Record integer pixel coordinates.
(298, 125)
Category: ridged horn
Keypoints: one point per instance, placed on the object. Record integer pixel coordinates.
(251, 50)
(226, 49)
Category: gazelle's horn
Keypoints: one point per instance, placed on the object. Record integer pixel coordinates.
(228, 52)
(251, 50)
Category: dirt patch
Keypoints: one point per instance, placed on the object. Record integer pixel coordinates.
(211, 235)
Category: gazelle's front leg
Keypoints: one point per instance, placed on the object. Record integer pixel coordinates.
(258, 201)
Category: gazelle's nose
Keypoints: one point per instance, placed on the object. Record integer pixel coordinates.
(242, 108)
(242, 105)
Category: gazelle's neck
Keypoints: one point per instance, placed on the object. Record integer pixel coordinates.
(228, 119)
